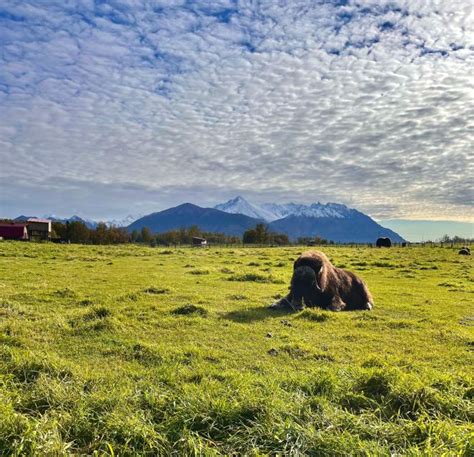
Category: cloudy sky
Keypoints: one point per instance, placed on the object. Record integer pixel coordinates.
(129, 106)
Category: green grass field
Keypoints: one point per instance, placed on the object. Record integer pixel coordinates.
(134, 350)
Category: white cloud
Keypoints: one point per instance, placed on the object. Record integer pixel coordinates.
(365, 103)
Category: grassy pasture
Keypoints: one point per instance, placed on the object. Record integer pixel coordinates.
(133, 350)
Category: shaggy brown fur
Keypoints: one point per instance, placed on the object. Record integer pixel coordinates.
(318, 283)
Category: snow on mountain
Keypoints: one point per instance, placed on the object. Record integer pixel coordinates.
(314, 210)
(239, 205)
(273, 211)
(280, 211)
(125, 222)
(332, 221)
(89, 223)
(187, 215)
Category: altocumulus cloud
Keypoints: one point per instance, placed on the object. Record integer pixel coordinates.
(119, 106)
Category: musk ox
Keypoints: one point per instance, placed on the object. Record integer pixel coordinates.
(317, 282)
(464, 251)
(384, 242)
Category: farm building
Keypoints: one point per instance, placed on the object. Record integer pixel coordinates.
(13, 231)
(197, 241)
(39, 229)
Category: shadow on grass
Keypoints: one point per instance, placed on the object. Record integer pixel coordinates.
(258, 313)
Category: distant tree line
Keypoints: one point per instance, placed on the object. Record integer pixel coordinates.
(78, 232)
(313, 241)
(261, 235)
(456, 240)
(180, 236)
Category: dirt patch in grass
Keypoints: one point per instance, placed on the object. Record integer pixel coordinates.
(65, 293)
(190, 309)
(238, 297)
(156, 290)
(96, 319)
(255, 277)
(198, 272)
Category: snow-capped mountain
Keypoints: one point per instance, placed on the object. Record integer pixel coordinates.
(332, 221)
(239, 205)
(125, 222)
(187, 215)
(270, 212)
(88, 222)
(314, 210)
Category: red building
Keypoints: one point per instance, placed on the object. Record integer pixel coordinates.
(13, 231)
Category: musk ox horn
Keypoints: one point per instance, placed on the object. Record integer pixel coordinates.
(318, 278)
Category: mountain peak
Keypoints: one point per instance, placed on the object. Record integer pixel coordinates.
(239, 205)
(270, 212)
(188, 214)
(333, 221)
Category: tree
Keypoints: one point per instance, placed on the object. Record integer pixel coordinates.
(146, 235)
(134, 236)
(77, 232)
(100, 235)
(117, 235)
(261, 233)
(279, 239)
(59, 230)
(250, 236)
(313, 241)
(194, 230)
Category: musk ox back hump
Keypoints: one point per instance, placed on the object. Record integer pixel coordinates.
(384, 242)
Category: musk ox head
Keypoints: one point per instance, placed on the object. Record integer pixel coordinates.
(304, 283)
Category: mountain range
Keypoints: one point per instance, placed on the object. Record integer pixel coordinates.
(270, 212)
(187, 215)
(331, 221)
(88, 222)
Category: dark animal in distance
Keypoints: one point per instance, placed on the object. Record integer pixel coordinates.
(464, 251)
(317, 282)
(384, 242)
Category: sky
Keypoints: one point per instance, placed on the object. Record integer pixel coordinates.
(118, 107)
(416, 231)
